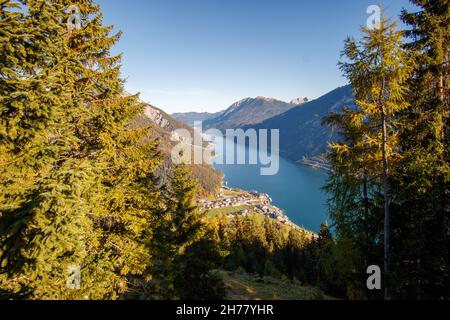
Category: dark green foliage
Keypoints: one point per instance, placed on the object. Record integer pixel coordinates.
(423, 178)
(418, 173)
(194, 279)
(79, 189)
(183, 247)
(264, 247)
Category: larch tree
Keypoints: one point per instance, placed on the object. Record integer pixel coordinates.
(351, 183)
(378, 68)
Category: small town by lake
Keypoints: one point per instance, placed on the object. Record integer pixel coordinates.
(296, 189)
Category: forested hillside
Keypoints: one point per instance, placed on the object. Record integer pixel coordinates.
(162, 125)
(86, 210)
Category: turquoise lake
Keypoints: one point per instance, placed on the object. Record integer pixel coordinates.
(296, 189)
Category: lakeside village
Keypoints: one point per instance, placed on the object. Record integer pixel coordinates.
(240, 203)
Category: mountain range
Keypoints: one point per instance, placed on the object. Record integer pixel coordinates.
(303, 136)
(190, 117)
(249, 111)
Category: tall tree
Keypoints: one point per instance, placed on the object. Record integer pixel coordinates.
(38, 182)
(184, 247)
(377, 68)
(424, 174)
(76, 183)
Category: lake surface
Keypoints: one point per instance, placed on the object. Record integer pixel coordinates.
(296, 189)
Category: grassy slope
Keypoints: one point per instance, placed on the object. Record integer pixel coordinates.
(248, 287)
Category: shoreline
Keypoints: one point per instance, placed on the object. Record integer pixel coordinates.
(235, 202)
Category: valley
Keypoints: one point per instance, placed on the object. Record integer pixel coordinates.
(304, 137)
(298, 198)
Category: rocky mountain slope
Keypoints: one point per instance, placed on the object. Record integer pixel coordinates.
(210, 180)
(248, 112)
(303, 137)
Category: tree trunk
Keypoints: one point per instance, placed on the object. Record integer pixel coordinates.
(386, 210)
(366, 219)
(366, 197)
(386, 187)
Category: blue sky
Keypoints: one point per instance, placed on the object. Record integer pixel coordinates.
(203, 55)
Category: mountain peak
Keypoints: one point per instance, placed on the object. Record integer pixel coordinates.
(248, 111)
(270, 100)
(299, 101)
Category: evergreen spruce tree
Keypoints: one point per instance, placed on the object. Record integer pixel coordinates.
(251, 237)
(325, 260)
(33, 130)
(184, 248)
(273, 235)
(197, 266)
(275, 242)
(43, 215)
(293, 254)
(423, 176)
(77, 188)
